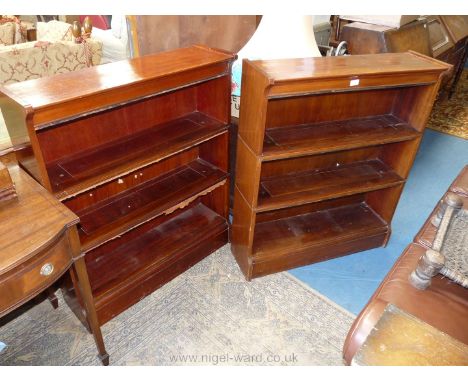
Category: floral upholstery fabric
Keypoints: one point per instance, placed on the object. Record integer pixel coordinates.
(54, 31)
(7, 33)
(37, 59)
(12, 30)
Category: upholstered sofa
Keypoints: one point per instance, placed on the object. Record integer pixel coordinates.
(54, 52)
(443, 305)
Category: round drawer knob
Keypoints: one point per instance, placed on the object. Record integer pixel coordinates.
(47, 269)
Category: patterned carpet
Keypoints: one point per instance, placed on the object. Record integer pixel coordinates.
(451, 116)
(207, 316)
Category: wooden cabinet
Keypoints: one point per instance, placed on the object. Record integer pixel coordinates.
(324, 148)
(364, 38)
(38, 245)
(138, 150)
(454, 31)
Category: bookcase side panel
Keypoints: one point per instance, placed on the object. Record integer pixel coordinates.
(85, 133)
(208, 95)
(242, 233)
(252, 113)
(414, 104)
(329, 107)
(248, 167)
(384, 202)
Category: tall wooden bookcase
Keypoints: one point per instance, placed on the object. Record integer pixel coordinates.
(324, 148)
(138, 149)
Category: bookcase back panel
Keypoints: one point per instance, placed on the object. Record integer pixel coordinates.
(329, 107)
(92, 131)
(271, 216)
(108, 126)
(157, 248)
(309, 179)
(130, 180)
(312, 162)
(208, 93)
(384, 202)
(414, 105)
(214, 151)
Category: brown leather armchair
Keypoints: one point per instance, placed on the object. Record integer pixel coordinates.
(443, 305)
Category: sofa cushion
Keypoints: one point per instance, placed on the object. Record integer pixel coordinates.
(54, 31)
(7, 33)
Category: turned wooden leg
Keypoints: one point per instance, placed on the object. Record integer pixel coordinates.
(452, 201)
(433, 261)
(52, 297)
(428, 266)
(79, 267)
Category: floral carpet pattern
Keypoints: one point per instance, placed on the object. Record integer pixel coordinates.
(450, 116)
(209, 315)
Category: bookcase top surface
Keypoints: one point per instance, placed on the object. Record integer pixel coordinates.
(46, 91)
(340, 66)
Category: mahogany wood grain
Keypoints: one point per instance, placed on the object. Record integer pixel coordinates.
(131, 180)
(324, 148)
(124, 264)
(253, 88)
(7, 187)
(77, 173)
(384, 202)
(320, 228)
(19, 245)
(329, 107)
(139, 150)
(114, 216)
(314, 185)
(242, 231)
(309, 255)
(248, 167)
(25, 281)
(316, 69)
(290, 141)
(57, 98)
(283, 167)
(315, 233)
(303, 209)
(113, 124)
(39, 243)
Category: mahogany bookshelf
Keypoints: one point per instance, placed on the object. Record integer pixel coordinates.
(324, 148)
(138, 149)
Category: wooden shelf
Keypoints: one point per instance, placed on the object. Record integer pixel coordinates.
(114, 216)
(321, 184)
(75, 174)
(316, 138)
(316, 229)
(325, 147)
(162, 245)
(139, 151)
